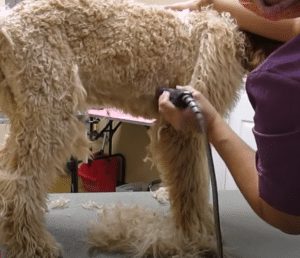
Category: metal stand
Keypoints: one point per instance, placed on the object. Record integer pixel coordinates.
(109, 129)
(94, 135)
(73, 167)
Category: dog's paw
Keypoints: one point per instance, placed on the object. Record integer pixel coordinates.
(54, 252)
(34, 254)
(44, 248)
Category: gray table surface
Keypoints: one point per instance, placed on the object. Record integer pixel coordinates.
(244, 234)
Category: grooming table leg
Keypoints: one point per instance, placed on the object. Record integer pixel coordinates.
(73, 167)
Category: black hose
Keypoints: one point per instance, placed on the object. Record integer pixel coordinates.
(184, 99)
(192, 104)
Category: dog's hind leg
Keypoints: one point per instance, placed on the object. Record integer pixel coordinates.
(43, 129)
(181, 160)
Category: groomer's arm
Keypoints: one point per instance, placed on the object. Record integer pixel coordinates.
(240, 160)
(238, 156)
(282, 30)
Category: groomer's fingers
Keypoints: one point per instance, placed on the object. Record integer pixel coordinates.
(164, 101)
(207, 109)
(187, 87)
(196, 94)
(169, 112)
(165, 106)
(180, 119)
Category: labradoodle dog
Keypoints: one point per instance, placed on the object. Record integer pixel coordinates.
(58, 57)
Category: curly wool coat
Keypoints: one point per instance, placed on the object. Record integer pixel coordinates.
(61, 56)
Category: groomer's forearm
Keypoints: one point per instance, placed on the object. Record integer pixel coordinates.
(278, 30)
(240, 160)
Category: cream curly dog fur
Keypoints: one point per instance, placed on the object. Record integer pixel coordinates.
(60, 56)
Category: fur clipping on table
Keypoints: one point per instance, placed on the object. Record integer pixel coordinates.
(151, 233)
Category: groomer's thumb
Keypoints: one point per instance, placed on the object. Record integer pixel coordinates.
(164, 103)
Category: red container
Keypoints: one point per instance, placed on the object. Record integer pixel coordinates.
(100, 175)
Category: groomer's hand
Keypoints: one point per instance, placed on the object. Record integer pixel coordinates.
(185, 119)
(192, 5)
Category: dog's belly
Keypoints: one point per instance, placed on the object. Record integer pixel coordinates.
(121, 80)
(127, 57)
(133, 90)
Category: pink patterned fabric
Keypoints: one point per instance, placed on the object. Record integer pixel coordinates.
(273, 9)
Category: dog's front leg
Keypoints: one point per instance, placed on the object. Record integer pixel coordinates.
(44, 129)
(36, 148)
(181, 160)
(23, 202)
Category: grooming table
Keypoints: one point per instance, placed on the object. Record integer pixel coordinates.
(110, 128)
(111, 115)
(244, 234)
(117, 115)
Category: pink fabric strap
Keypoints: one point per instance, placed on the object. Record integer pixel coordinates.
(273, 8)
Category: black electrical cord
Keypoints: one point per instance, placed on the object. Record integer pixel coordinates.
(214, 187)
(184, 99)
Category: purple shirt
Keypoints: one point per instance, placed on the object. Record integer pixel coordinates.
(274, 92)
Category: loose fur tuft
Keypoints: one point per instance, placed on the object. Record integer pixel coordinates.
(151, 234)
